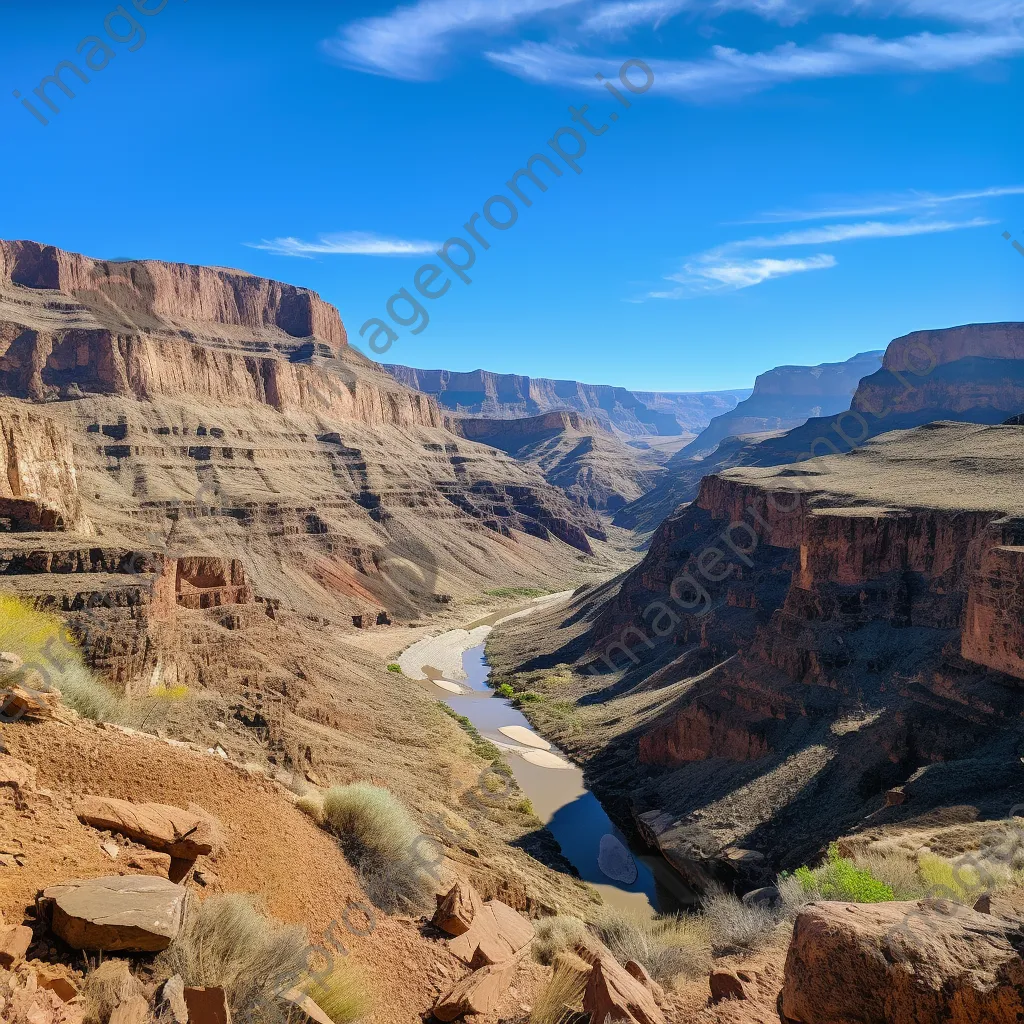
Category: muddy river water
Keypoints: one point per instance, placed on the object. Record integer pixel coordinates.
(454, 668)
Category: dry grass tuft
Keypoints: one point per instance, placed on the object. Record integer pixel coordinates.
(554, 935)
(341, 996)
(228, 942)
(381, 841)
(562, 999)
(733, 926)
(670, 947)
(313, 805)
(106, 986)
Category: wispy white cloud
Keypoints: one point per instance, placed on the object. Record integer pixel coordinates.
(710, 274)
(886, 205)
(855, 232)
(731, 72)
(349, 243)
(412, 41)
(723, 269)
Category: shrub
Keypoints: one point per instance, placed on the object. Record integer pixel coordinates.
(44, 645)
(505, 690)
(895, 870)
(341, 996)
(961, 883)
(393, 667)
(380, 840)
(554, 935)
(524, 806)
(229, 942)
(669, 947)
(840, 879)
(734, 926)
(313, 805)
(529, 697)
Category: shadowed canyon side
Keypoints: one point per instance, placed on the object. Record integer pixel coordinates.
(800, 641)
(481, 393)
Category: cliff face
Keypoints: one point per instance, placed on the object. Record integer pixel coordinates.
(973, 373)
(39, 490)
(172, 297)
(510, 396)
(185, 439)
(800, 639)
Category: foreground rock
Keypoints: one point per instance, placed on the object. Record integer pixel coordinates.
(131, 913)
(496, 934)
(479, 992)
(458, 909)
(929, 962)
(184, 835)
(614, 994)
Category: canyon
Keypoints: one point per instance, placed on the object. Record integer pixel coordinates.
(803, 629)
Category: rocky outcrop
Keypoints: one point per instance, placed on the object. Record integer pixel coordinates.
(39, 490)
(129, 913)
(182, 834)
(477, 993)
(497, 933)
(973, 373)
(458, 909)
(612, 993)
(511, 396)
(903, 963)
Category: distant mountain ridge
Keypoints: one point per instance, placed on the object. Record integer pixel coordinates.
(787, 396)
(483, 393)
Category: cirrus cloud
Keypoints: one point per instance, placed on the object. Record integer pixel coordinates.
(347, 243)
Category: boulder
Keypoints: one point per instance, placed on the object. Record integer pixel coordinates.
(497, 933)
(1007, 905)
(767, 896)
(614, 994)
(207, 1006)
(726, 985)
(131, 913)
(56, 979)
(926, 962)
(479, 992)
(457, 910)
(17, 702)
(14, 942)
(182, 834)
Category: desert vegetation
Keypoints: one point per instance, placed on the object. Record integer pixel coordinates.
(379, 838)
(230, 942)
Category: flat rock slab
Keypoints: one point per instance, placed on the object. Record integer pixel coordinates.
(182, 834)
(496, 934)
(129, 913)
(480, 992)
(14, 943)
(457, 911)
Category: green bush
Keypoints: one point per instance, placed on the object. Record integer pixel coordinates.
(396, 668)
(840, 879)
(529, 697)
(380, 840)
(505, 691)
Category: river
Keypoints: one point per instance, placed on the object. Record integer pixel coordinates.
(453, 667)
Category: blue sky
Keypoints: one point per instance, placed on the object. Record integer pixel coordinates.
(803, 180)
